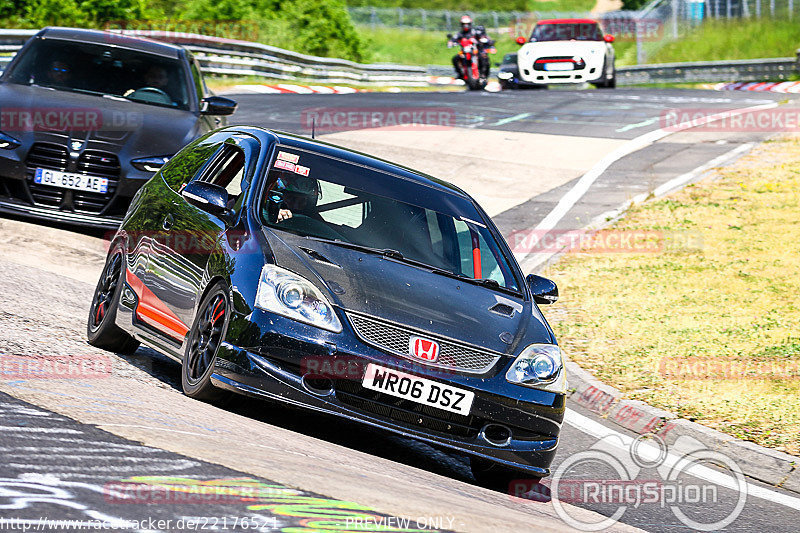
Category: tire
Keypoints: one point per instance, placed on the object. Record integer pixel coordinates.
(101, 328)
(495, 476)
(203, 342)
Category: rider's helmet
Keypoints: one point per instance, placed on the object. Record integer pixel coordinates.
(466, 23)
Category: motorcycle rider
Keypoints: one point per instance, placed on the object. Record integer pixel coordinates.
(484, 43)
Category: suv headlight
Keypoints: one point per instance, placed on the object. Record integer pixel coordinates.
(540, 366)
(287, 294)
(7, 142)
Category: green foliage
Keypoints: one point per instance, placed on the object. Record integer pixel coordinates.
(634, 5)
(452, 5)
(40, 13)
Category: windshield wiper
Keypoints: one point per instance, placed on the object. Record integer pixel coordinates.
(398, 256)
(385, 252)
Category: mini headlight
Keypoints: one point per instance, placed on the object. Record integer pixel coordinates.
(285, 293)
(540, 366)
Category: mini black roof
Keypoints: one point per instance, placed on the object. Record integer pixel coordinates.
(111, 39)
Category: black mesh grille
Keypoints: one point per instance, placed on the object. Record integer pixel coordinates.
(396, 339)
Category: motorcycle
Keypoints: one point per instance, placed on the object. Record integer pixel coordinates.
(469, 62)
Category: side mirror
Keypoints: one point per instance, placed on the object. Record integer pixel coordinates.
(208, 197)
(544, 291)
(608, 38)
(521, 40)
(217, 105)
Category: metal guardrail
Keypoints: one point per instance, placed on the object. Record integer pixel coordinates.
(773, 69)
(242, 58)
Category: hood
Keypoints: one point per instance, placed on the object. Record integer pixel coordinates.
(388, 289)
(32, 113)
(584, 49)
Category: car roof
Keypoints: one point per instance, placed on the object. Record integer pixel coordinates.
(331, 150)
(111, 39)
(567, 21)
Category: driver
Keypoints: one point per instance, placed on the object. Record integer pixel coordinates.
(156, 76)
(293, 194)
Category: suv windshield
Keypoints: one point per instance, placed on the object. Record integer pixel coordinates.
(567, 32)
(316, 196)
(102, 70)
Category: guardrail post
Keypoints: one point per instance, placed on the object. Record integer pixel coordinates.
(728, 7)
(674, 19)
(772, 7)
(797, 64)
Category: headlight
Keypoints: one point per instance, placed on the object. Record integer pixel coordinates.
(540, 366)
(7, 142)
(287, 294)
(150, 164)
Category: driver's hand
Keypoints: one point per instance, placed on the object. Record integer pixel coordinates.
(284, 214)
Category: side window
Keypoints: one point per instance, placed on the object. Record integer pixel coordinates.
(197, 78)
(228, 172)
(185, 164)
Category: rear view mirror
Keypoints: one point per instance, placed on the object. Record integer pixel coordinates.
(208, 197)
(608, 38)
(544, 291)
(217, 105)
(521, 40)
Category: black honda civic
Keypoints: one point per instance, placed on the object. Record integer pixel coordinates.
(284, 268)
(88, 116)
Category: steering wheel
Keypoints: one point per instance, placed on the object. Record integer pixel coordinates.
(155, 90)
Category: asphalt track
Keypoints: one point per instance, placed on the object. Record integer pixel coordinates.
(45, 452)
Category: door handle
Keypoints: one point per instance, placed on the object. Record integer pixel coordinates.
(168, 222)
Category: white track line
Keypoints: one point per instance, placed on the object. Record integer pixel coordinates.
(572, 197)
(599, 431)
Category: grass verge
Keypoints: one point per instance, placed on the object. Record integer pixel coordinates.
(711, 333)
(418, 47)
(739, 39)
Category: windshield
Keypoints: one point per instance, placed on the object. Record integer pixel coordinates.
(102, 70)
(316, 196)
(567, 32)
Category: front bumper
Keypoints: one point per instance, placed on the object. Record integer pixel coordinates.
(275, 367)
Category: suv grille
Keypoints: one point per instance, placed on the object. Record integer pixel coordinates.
(90, 162)
(46, 155)
(395, 339)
